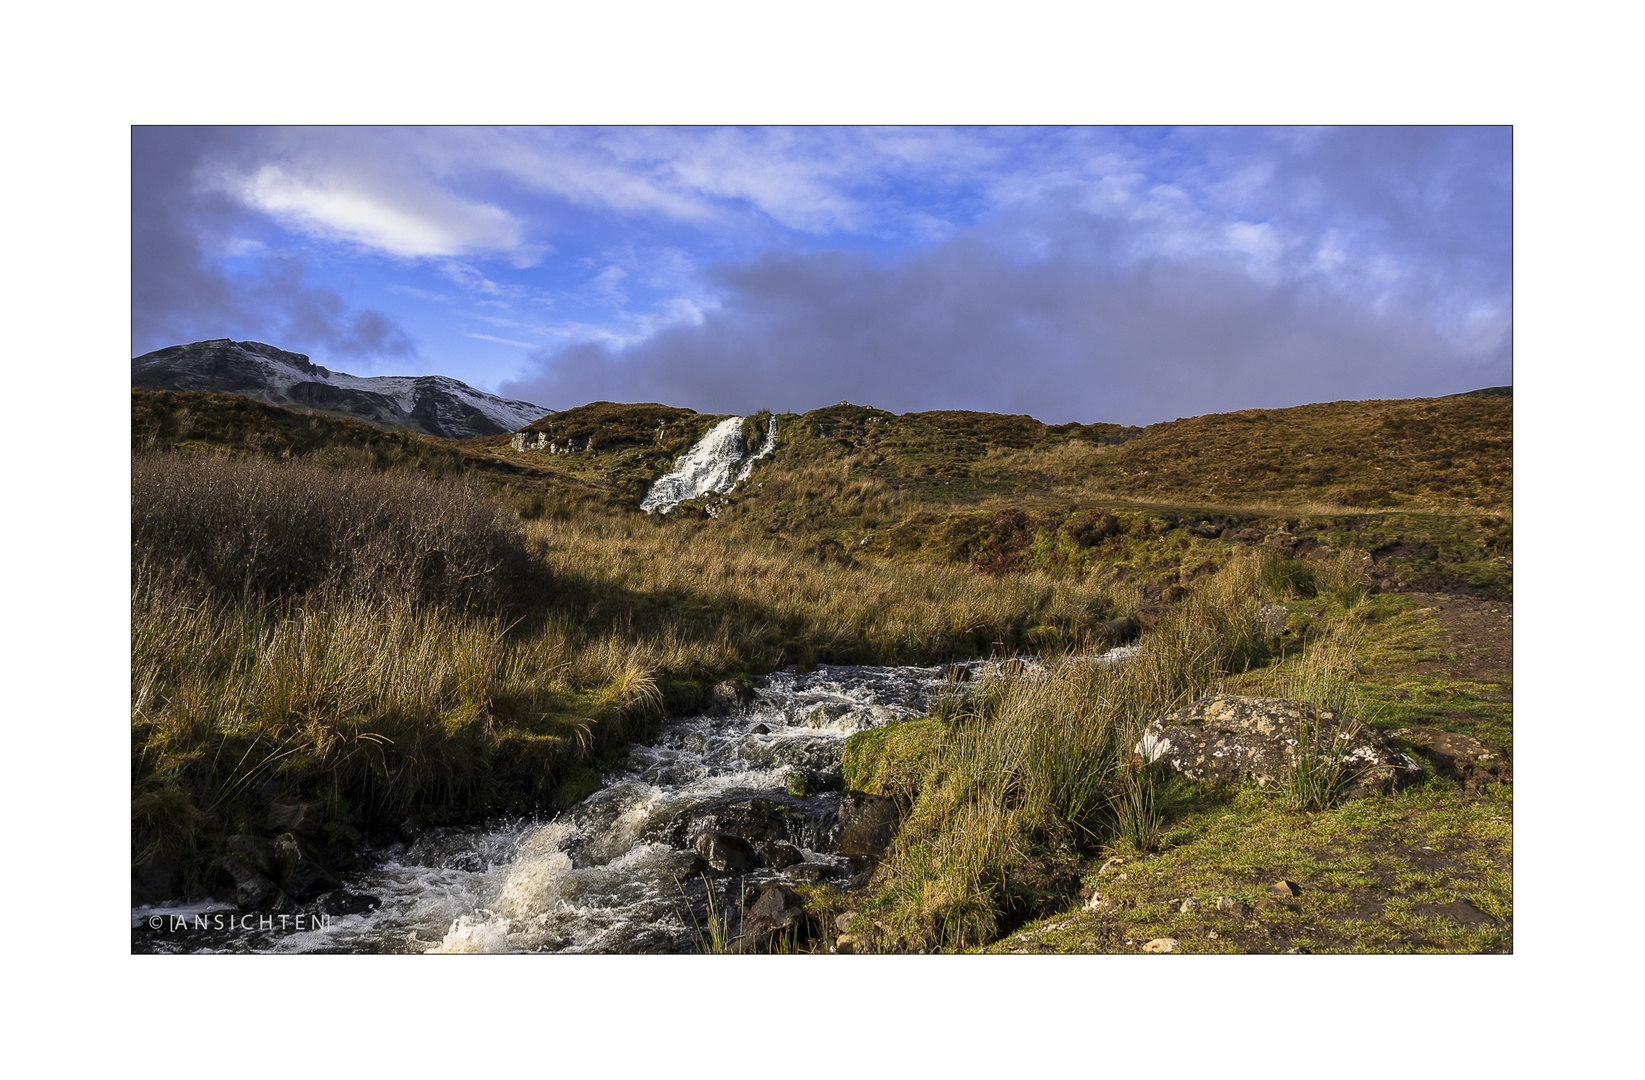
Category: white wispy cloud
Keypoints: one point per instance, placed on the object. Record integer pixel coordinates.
(475, 282)
(504, 341)
(420, 294)
(406, 218)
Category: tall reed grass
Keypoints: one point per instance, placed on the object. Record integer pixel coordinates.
(1030, 764)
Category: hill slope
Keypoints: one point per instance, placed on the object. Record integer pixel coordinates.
(430, 404)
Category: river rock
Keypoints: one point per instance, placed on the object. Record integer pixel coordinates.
(256, 851)
(729, 698)
(868, 823)
(300, 870)
(776, 910)
(1228, 737)
(340, 902)
(240, 884)
(778, 855)
(304, 818)
(752, 819)
(842, 716)
(810, 872)
(818, 758)
(726, 853)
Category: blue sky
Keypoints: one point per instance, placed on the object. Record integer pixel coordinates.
(1095, 274)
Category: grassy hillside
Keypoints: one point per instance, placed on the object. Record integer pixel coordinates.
(1427, 454)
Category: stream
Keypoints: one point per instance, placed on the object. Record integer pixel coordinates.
(617, 873)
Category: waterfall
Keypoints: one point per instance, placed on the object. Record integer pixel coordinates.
(716, 464)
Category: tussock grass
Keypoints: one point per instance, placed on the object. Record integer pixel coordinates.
(707, 595)
(1030, 765)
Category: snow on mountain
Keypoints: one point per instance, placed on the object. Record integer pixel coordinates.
(431, 404)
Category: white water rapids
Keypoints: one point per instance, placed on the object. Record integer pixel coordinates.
(715, 465)
(604, 877)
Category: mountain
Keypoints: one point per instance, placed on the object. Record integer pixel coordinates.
(430, 404)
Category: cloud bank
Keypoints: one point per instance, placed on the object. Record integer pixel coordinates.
(1351, 264)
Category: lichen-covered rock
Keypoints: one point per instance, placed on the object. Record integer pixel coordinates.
(1227, 737)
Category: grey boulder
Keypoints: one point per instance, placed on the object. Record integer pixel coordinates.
(1229, 737)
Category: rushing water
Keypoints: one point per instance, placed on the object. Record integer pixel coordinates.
(613, 874)
(716, 464)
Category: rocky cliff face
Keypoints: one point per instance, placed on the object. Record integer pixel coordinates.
(431, 404)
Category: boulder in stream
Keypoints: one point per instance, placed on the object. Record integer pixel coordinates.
(725, 852)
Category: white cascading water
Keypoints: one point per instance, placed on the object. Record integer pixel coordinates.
(715, 465)
(611, 875)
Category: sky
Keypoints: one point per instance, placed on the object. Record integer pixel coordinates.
(1126, 275)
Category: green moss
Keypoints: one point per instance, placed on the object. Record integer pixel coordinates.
(891, 760)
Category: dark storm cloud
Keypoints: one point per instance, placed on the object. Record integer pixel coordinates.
(1056, 310)
(179, 292)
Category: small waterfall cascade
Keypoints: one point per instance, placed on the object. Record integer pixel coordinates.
(714, 465)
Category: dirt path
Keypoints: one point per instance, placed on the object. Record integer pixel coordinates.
(1480, 633)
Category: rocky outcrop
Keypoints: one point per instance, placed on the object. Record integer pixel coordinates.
(539, 440)
(430, 404)
(1226, 737)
